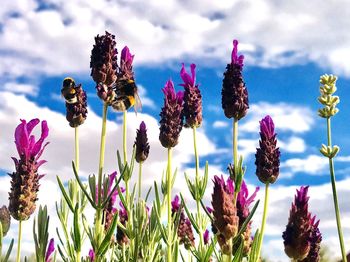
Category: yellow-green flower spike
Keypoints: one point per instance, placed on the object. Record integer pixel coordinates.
(327, 89)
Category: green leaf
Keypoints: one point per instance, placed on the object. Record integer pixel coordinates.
(64, 193)
(190, 216)
(254, 249)
(107, 239)
(238, 255)
(76, 229)
(120, 162)
(112, 192)
(9, 250)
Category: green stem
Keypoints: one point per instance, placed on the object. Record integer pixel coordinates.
(140, 175)
(76, 148)
(197, 186)
(169, 244)
(98, 225)
(124, 136)
(263, 222)
(335, 195)
(235, 141)
(18, 259)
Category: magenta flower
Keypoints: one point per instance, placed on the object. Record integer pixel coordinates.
(25, 181)
(91, 255)
(50, 250)
(171, 116)
(267, 157)
(126, 59)
(206, 237)
(175, 204)
(235, 58)
(192, 98)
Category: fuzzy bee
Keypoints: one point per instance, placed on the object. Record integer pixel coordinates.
(126, 96)
(68, 90)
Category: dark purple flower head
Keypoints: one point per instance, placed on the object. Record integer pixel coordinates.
(267, 157)
(192, 98)
(234, 92)
(123, 218)
(315, 242)
(5, 220)
(25, 181)
(209, 209)
(206, 237)
(50, 250)
(185, 232)
(171, 116)
(126, 59)
(141, 143)
(103, 61)
(175, 204)
(92, 255)
(235, 59)
(298, 234)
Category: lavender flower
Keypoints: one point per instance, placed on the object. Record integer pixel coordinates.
(50, 250)
(141, 143)
(171, 116)
(234, 92)
(268, 155)
(104, 65)
(206, 237)
(123, 218)
(192, 98)
(315, 243)
(125, 69)
(5, 220)
(242, 204)
(298, 234)
(25, 181)
(226, 220)
(110, 210)
(175, 204)
(91, 255)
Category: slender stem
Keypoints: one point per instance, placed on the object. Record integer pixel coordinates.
(169, 244)
(98, 225)
(263, 222)
(18, 259)
(197, 186)
(235, 141)
(76, 148)
(140, 175)
(335, 195)
(124, 137)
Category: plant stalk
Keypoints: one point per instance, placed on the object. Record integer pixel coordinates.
(263, 222)
(335, 195)
(169, 244)
(235, 150)
(124, 137)
(140, 176)
(18, 259)
(76, 132)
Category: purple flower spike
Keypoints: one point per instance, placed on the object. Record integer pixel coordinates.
(267, 157)
(91, 255)
(192, 98)
(141, 143)
(171, 116)
(206, 237)
(235, 59)
(175, 204)
(234, 92)
(50, 250)
(123, 218)
(25, 181)
(126, 71)
(302, 237)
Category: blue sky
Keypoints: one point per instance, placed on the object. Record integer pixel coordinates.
(287, 46)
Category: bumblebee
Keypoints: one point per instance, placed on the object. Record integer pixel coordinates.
(126, 96)
(68, 90)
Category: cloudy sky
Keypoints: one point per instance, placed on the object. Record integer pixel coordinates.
(287, 46)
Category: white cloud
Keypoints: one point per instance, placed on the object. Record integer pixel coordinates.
(287, 117)
(146, 101)
(293, 145)
(312, 164)
(21, 88)
(220, 124)
(58, 41)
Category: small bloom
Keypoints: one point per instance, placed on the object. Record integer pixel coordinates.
(125, 69)
(185, 232)
(141, 143)
(123, 218)
(224, 212)
(25, 180)
(175, 204)
(315, 240)
(91, 255)
(171, 116)
(104, 66)
(234, 92)
(50, 250)
(5, 220)
(297, 236)
(110, 210)
(192, 98)
(77, 112)
(268, 154)
(206, 237)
